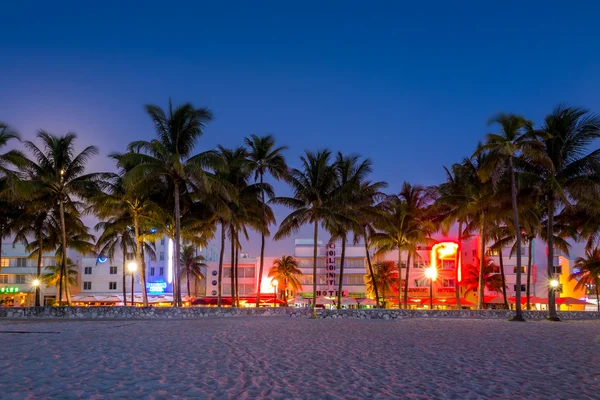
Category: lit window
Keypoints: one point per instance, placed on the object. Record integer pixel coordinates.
(5, 262)
(522, 269)
(3, 278)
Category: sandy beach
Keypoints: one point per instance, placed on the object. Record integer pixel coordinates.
(298, 358)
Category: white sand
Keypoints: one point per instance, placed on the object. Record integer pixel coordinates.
(280, 357)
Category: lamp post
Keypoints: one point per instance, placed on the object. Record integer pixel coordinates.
(132, 267)
(36, 286)
(431, 273)
(274, 283)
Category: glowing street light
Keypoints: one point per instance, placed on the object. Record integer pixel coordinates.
(274, 283)
(431, 273)
(554, 283)
(131, 267)
(35, 283)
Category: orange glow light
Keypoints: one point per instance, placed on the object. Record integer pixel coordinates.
(442, 250)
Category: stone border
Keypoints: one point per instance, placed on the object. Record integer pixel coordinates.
(137, 313)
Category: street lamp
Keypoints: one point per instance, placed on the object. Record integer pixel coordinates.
(274, 283)
(431, 273)
(132, 267)
(36, 285)
(554, 283)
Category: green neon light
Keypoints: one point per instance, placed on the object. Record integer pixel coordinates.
(9, 290)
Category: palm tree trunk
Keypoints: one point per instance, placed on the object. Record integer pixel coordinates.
(480, 287)
(518, 312)
(597, 294)
(314, 302)
(529, 256)
(399, 275)
(63, 264)
(406, 281)
(552, 315)
(39, 266)
(1, 236)
(232, 265)
(262, 243)
(371, 269)
(237, 270)
(503, 276)
(187, 276)
(340, 287)
(124, 276)
(177, 244)
(138, 257)
(285, 296)
(458, 266)
(222, 253)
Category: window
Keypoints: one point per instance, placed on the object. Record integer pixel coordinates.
(421, 282)
(20, 278)
(3, 278)
(448, 283)
(493, 252)
(557, 269)
(161, 271)
(403, 264)
(226, 272)
(523, 288)
(305, 279)
(87, 285)
(113, 270)
(152, 271)
(162, 256)
(5, 262)
(448, 264)
(162, 241)
(522, 269)
(87, 270)
(246, 272)
(355, 263)
(419, 264)
(355, 279)
(21, 262)
(112, 285)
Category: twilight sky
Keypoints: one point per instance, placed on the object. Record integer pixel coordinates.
(409, 85)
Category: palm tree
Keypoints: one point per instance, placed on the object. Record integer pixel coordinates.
(513, 141)
(57, 172)
(491, 280)
(588, 272)
(192, 265)
(56, 277)
(568, 171)
(351, 173)
(285, 269)
(385, 277)
(9, 210)
(169, 157)
(313, 185)
(404, 228)
(117, 235)
(264, 158)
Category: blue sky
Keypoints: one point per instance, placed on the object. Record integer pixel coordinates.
(409, 85)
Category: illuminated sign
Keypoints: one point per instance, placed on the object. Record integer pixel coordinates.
(156, 287)
(102, 259)
(10, 290)
(330, 266)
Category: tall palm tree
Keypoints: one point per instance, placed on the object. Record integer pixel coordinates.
(192, 264)
(568, 171)
(57, 172)
(285, 270)
(54, 274)
(9, 180)
(405, 227)
(313, 185)
(491, 280)
(264, 158)
(513, 141)
(169, 157)
(385, 277)
(350, 173)
(588, 272)
(117, 235)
